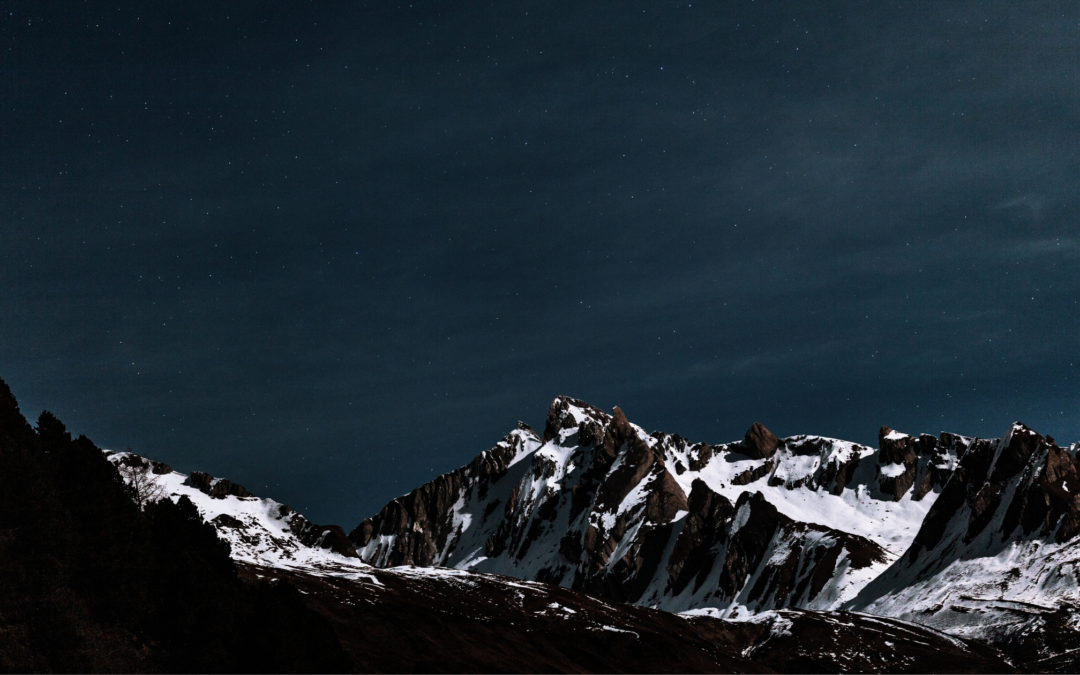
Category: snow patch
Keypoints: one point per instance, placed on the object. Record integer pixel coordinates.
(740, 518)
(893, 470)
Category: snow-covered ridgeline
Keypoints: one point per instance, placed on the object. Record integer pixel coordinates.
(259, 531)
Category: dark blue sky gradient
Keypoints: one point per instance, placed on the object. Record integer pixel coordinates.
(330, 250)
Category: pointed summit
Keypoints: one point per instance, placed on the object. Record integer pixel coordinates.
(568, 413)
(760, 442)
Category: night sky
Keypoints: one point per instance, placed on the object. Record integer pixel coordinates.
(331, 250)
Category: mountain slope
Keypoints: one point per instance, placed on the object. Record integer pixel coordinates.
(998, 553)
(259, 531)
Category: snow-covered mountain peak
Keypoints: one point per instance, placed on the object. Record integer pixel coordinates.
(597, 503)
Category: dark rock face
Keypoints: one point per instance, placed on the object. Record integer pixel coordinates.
(896, 450)
(751, 475)
(559, 417)
(838, 475)
(361, 535)
(216, 488)
(922, 464)
(793, 562)
(421, 522)
(225, 520)
(331, 537)
(692, 558)
(749, 541)
(985, 472)
(159, 468)
(591, 434)
(972, 470)
(626, 577)
(759, 442)
(700, 455)
(1044, 504)
(134, 461)
(936, 464)
(835, 469)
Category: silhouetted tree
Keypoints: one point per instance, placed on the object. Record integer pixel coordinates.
(145, 486)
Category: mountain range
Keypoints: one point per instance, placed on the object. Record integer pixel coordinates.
(595, 545)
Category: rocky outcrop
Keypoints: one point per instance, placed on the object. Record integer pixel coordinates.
(897, 463)
(416, 529)
(812, 462)
(130, 459)
(792, 562)
(920, 464)
(218, 488)
(751, 475)
(1048, 502)
(699, 456)
(692, 557)
(225, 520)
(840, 472)
(329, 537)
(625, 576)
(759, 442)
(935, 465)
(560, 417)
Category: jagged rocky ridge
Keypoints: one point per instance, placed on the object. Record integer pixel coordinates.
(943, 530)
(599, 505)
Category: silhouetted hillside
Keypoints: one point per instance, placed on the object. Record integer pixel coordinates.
(90, 583)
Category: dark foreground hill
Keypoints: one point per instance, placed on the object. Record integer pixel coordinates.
(91, 583)
(424, 620)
